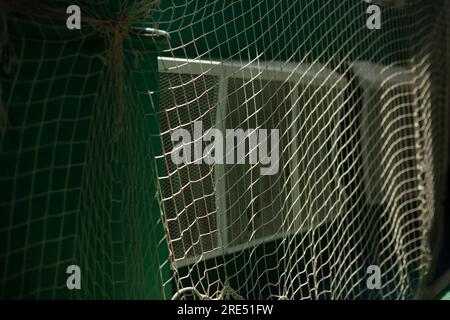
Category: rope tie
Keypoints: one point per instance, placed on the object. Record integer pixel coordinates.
(114, 35)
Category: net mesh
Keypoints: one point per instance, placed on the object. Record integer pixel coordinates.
(87, 126)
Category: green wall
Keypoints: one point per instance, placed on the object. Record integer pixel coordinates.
(280, 30)
(74, 190)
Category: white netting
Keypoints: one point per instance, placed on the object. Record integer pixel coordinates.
(351, 120)
(360, 120)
